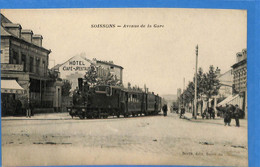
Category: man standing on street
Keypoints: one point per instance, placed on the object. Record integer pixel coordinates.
(165, 109)
(236, 115)
(182, 111)
(227, 115)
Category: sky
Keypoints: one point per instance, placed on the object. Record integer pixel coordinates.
(160, 57)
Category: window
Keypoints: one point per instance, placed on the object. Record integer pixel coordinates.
(24, 62)
(38, 65)
(111, 68)
(44, 68)
(15, 58)
(31, 64)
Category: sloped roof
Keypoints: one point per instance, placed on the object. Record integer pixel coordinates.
(84, 58)
(4, 32)
(111, 64)
(224, 73)
(4, 19)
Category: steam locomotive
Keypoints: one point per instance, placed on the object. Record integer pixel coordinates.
(103, 101)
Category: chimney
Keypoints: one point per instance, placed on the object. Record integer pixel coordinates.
(244, 53)
(27, 35)
(37, 40)
(239, 57)
(13, 28)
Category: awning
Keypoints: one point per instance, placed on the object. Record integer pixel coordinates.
(11, 86)
(227, 100)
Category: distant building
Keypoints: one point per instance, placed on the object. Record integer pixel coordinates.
(72, 69)
(77, 66)
(178, 96)
(239, 84)
(114, 69)
(240, 72)
(24, 61)
(240, 78)
(178, 92)
(226, 81)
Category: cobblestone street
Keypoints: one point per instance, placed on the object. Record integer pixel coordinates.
(56, 139)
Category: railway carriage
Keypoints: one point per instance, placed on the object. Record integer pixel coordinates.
(104, 100)
(134, 103)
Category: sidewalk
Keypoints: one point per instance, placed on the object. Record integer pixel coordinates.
(217, 120)
(45, 116)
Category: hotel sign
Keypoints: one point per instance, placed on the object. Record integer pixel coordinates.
(75, 66)
(11, 67)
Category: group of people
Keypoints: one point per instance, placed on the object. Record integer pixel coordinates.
(208, 113)
(230, 112)
(165, 109)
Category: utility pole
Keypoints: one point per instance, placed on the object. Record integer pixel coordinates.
(195, 98)
(183, 91)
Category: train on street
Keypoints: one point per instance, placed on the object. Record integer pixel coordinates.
(102, 101)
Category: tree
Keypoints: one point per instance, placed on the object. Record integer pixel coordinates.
(211, 83)
(92, 78)
(66, 86)
(200, 82)
(207, 84)
(54, 75)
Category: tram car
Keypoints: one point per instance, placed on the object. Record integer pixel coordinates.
(103, 100)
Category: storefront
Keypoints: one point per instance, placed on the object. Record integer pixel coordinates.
(9, 104)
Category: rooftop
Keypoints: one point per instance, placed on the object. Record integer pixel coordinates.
(111, 63)
(6, 23)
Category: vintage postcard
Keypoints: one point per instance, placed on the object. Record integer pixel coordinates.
(124, 86)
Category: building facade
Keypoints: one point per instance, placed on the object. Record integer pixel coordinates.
(25, 60)
(77, 66)
(240, 78)
(74, 68)
(226, 82)
(114, 69)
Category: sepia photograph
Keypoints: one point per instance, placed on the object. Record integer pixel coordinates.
(124, 86)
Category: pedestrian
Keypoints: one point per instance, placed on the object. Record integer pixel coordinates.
(203, 115)
(227, 114)
(237, 115)
(28, 109)
(182, 111)
(165, 109)
(211, 113)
